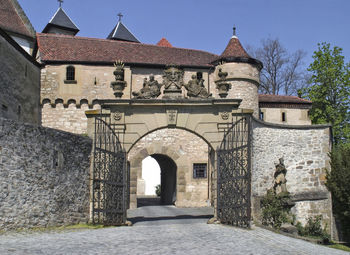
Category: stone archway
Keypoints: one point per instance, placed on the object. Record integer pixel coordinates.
(133, 119)
(159, 152)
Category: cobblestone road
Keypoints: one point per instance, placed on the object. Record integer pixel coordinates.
(161, 230)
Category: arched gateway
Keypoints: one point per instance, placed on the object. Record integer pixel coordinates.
(121, 123)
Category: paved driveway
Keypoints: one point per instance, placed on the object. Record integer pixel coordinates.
(161, 230)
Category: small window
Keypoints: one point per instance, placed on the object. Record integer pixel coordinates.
(70, 73)
(283, 117)
(200, 170)
(261, 115)
(199, 75)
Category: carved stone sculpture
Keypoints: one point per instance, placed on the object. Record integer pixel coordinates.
(173, 81)
(195, 88)
(150, 89)
(119, 84)
(222, 85)
(280, 178)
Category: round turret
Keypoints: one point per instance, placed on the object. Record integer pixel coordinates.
(243, 74)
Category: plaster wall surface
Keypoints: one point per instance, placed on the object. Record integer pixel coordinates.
(293, 116)
(44, 177)
(19, 86)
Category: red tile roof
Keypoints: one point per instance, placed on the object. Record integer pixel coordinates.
(234, 49)
(63, 48)
(164, 42)
(282, 99)
(234, 52)
(13, 19)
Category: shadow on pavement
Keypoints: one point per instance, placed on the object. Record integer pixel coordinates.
(148, 201)
(177, 217)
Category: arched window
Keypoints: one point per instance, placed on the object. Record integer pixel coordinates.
(70, 73)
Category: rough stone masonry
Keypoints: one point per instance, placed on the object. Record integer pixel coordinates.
(44, 177)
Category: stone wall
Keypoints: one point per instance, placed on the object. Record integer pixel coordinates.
(70, 118)
(19, 83)
(244, 79)
(305, 152)
(185, 149)
(44, 177)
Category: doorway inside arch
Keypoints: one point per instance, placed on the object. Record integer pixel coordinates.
(158, 172)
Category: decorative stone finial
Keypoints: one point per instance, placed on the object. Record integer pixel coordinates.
(119, 84)
(60, 2)
(120, 15)
(234, 30)
(222, 85)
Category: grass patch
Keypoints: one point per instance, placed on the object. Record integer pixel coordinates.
(79, 226)
(83, 226)
(343, 247)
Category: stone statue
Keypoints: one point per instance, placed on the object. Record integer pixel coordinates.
(154, 87)
(195, 88)
(280, 178)
(173, 81)
(150, 89)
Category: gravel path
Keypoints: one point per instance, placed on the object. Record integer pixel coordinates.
(161, 230)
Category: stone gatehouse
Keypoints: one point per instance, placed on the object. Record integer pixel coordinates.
(175, 105)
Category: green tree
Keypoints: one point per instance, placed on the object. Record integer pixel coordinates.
(338, 180)
(330, 91)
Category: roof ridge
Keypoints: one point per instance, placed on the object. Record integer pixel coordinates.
(115, 41)
(285, 96)
(23, 17)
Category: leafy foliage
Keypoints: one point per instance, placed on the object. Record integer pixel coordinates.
(330, 91)
(313, 228)
(275, 211)
(338, 180)
(282, 72)
(158, 190)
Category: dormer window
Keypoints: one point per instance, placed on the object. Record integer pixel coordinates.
(70, 75)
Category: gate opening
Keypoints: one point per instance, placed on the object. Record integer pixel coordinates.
(157, 169)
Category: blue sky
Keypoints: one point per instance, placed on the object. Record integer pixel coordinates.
(207, 24)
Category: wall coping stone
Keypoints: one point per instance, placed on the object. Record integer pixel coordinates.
(284, 126)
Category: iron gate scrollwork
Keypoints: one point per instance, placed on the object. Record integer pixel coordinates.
(234, 174)
(109, 177)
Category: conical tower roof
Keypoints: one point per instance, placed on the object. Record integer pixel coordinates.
(121, 33)
(234, 49)
(62, 21)
(164, 42)
(234, 52)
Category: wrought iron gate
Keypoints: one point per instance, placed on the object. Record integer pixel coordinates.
(234, 174)
(109, 177)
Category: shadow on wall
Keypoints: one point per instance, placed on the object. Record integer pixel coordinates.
(168, 179)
